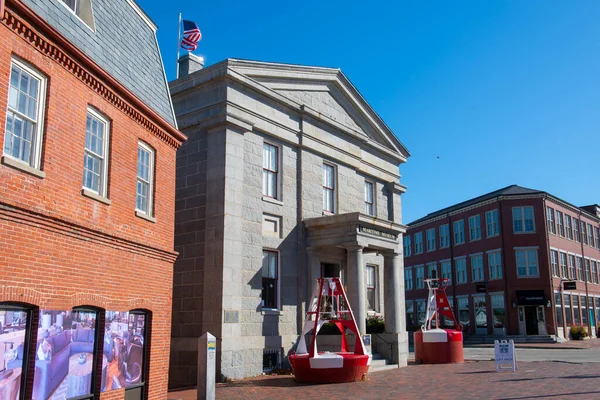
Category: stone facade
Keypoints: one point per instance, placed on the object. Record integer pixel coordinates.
(224, 222)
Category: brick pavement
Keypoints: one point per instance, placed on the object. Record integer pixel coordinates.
(475, 380)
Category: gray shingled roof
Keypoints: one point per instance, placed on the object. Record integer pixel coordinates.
(512, 190)
(123, 44)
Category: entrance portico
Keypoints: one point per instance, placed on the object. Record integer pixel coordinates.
(346, 238)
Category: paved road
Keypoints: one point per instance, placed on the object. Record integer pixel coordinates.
(558, 355)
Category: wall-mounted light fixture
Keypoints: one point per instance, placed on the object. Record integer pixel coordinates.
(548, 304)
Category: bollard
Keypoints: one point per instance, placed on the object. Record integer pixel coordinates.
(207, 358)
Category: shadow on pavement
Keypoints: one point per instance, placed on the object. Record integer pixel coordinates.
(544, 396)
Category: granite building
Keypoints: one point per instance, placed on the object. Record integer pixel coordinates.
(87, 183)
(520, 261)
(288, 175)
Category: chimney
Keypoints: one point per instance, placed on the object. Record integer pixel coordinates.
(189, 63)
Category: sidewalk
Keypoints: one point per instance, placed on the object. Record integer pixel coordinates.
(469, 381)
(570, 345)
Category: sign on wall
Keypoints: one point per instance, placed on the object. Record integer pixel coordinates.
(504, 354)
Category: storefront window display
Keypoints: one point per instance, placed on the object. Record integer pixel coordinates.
(13, 328)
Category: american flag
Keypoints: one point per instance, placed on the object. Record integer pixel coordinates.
(191, 35)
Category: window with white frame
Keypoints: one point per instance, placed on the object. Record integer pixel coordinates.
(431, 239)
(597, 235)
(550, 216)
(408, 278)
(594, 272)
(474, 228)
(459, 231)
(579, 268)
(418, 242)
(444, 236)
(270, 171)
(145, 179)
(527, 264)
(420, 275)
(477, 268)
(491, 223)
(572, 272)
(560, 226)
(568, 227)
(372, 287)
(270, 269)
(523, 221)
(446, 268)
(83, 10)
(95, 158)
(554, 262)
(25, 114)
(584, 237)
(410, 313)
(329, 184)
(588, 277)
(495, 264)
(407, 245)
(563, 264)
(461, 270)
(576, 235)
(590, 230)
(432, 271)
(369, 198)
(463, 311)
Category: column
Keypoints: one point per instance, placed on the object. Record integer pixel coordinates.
(356, 286)
(393, 293)
(313, 272)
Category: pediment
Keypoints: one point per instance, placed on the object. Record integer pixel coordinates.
(327, 92)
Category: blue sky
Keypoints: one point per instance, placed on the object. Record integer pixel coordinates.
(503, 92)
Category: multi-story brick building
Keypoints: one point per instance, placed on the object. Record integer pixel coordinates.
(87, 183)
(508, 254)
(288, 175)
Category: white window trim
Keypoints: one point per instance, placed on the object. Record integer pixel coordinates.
(491, 212)
(150, 211)
(496, 251)
(104, 175)
(482, 267)
(480, 233)
(416, 282)
(434, 239)
(523, 220)
(278, 280)
(36, 156)
(412, 278)
(93, 22)
(454, 231)
(373, 194)
(415, 237)
(456, 270)
(335, 189)
(278, 199)
(537, 256)
(376, 284)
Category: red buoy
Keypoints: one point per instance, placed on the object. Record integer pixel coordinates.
(432, 344)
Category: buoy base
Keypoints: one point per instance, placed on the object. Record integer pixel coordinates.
(350, 367)
(439, 346)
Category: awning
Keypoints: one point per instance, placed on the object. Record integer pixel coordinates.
(531, 298)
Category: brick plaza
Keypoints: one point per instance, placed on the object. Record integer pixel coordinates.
(471, 380)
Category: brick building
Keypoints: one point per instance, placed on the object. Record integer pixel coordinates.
(87, 183)
(288, 175)
(508, 254)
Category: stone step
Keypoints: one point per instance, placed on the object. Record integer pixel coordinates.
(373, 368)
(379, 362)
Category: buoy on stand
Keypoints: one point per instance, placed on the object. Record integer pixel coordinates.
(329, 304)
(434, 345)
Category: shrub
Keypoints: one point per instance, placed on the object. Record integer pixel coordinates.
(329, 329)
(578, 332)
(375, 325)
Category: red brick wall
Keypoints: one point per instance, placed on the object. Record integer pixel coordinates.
(59, 249)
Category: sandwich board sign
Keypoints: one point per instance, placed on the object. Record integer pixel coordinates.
(504, 354)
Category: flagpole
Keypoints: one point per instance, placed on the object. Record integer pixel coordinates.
(178, 44)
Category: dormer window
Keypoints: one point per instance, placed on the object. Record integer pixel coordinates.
(82, 9)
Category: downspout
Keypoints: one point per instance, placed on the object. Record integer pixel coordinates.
(552, 302)
(504, 266)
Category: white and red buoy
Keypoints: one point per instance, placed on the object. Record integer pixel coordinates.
(434, 345)
(329, 304)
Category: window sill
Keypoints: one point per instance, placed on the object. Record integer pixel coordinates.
(11, 162)
(270, 311)
(272, 200)
(145, 216)
(328, 213)
(95, 196)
